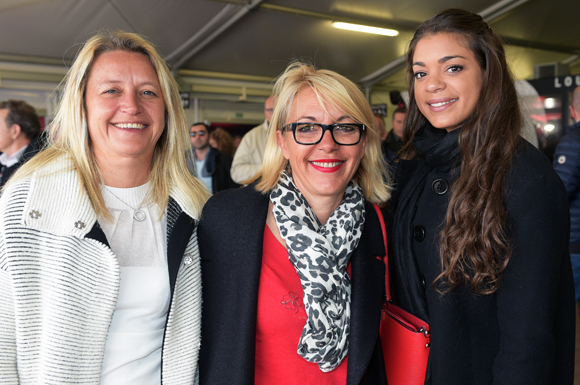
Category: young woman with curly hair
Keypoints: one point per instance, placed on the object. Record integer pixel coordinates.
(480, 218)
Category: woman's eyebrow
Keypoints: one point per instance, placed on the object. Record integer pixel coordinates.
(442, 60)
(447, 58)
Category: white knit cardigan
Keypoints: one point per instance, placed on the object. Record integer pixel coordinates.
(58, 288)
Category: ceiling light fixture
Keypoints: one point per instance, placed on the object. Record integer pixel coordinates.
(365, 28)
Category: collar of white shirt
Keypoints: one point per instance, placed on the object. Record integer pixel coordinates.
(11, 160)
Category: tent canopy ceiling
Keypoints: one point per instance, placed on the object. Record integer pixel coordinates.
(250, 42)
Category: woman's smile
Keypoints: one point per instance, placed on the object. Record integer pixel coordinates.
(438, 105)
(327, 165)
(130, 126)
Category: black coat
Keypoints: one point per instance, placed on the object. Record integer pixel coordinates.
(29, 152)
(231, 234)
(391, 147)
(524, 333)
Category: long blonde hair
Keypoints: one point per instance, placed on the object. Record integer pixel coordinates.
(69, 135)
(334, 90)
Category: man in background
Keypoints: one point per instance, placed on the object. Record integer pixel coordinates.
(394, 141)
(19, 131)
(249, 156)
(567, 165)
(211, 166)
(381, 130)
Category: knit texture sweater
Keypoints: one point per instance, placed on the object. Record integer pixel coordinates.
(59, 284)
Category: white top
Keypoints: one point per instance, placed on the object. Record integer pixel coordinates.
(199, 165)
(135, 338)
(10, 160)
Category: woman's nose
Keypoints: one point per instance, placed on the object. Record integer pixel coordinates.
(327, 143)
(434, 83)
(131, 104)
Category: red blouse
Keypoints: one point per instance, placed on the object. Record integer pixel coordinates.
(281, 318)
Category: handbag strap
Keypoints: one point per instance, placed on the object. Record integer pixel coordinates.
(386, 257)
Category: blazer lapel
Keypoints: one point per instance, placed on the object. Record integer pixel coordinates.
(97, 234)
(231, 237)
(368, 279)
(247, 265)
(180, 226)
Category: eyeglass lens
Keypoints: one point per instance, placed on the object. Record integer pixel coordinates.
(194, 133)
(309, 133)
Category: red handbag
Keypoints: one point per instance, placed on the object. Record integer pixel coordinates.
(405, 338)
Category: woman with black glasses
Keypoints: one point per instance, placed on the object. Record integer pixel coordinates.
(292, 287)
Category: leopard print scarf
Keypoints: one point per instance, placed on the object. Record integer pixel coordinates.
(320, 255)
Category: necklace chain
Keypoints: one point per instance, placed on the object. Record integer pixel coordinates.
(138, 215)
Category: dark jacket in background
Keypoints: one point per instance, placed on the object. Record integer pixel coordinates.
(567, 165)
(217, 165)
(524, 333)
(391, 146)
(231, 235)
(31, 150)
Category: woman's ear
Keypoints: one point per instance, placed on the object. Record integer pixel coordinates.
(365, 141)
(15, 131)
(282, 143)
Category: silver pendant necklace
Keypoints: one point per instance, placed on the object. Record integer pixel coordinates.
(138, 214)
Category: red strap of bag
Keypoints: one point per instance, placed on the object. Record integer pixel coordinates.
(405, 339)
(386, 257)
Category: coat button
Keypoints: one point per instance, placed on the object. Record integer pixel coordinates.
(35, 214)
(187, 260)
(423, 283)
(419, 233)
(440, 186)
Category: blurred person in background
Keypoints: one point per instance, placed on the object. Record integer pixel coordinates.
(567, 165)
(223, 141)
(393, 143)
(19, 132)
(211, 165)
(237, 141)
(381, 130)
(249, 155)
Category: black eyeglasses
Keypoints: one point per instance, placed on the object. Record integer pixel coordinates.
(345, 134)
(194, 133)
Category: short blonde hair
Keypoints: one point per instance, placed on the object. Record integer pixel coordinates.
(333, 90)
(69, 135)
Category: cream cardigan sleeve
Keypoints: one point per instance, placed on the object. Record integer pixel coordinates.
(8, 371)
(249, 156)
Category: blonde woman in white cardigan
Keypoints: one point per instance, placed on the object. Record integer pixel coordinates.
(99, 267)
